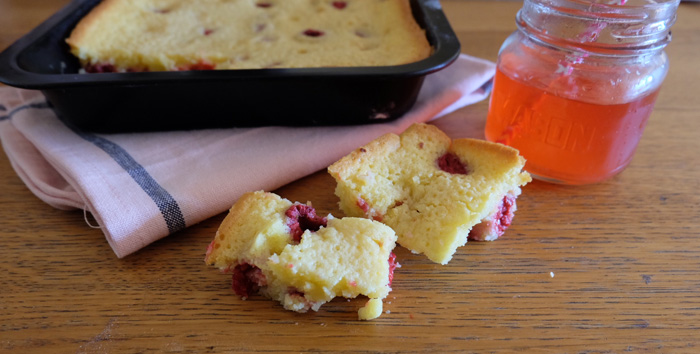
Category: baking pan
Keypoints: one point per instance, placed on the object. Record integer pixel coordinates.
(150, 101)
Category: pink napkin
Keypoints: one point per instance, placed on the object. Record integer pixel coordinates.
(142, 187)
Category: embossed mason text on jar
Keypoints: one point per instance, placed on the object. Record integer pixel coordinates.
(576, 84)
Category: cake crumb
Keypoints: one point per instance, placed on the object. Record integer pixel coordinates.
(371, 310)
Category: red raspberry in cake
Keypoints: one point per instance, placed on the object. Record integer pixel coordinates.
(495, 225)
(392, 267)
(137, 70)
(200, 65)
(100, 68)
(450, 163)
(259, 242)
(313, 33)
(247, 280)
(368, 210)
(301, 218)
(434, 192)
(340, 4)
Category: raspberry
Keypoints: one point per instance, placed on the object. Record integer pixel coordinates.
(364, 206)
(101, 68)
(295, 292)
(201, 65)
(137, 70)
(313, 33)
(301, 218)
(450, 163)
(247, 280)
(340, 4)
(497, 222)
(392, 267)
(505, 214)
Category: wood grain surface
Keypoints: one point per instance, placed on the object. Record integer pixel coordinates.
(607, 268)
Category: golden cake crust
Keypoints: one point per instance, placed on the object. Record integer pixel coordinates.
(382, 146)
(157, 35)
(254, 214)
(84, 26)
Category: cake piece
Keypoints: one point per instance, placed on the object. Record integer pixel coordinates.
(169, 35)
(435, 193)
(286, 252)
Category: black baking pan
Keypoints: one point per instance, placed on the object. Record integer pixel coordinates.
(150, 101)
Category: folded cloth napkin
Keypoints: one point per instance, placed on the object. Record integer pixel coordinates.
(141, 187)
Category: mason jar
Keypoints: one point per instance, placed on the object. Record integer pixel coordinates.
(576, 83)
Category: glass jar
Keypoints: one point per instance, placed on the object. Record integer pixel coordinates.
(576, 83)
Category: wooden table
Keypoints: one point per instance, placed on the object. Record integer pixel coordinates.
(607, 268)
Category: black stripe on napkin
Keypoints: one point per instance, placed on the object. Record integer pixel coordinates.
(38, 105)
(165, 202)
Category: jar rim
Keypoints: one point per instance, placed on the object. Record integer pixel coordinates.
(615, 4)
(596, 26)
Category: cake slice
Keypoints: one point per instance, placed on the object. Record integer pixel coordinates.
(286, 252)
(435, 193)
